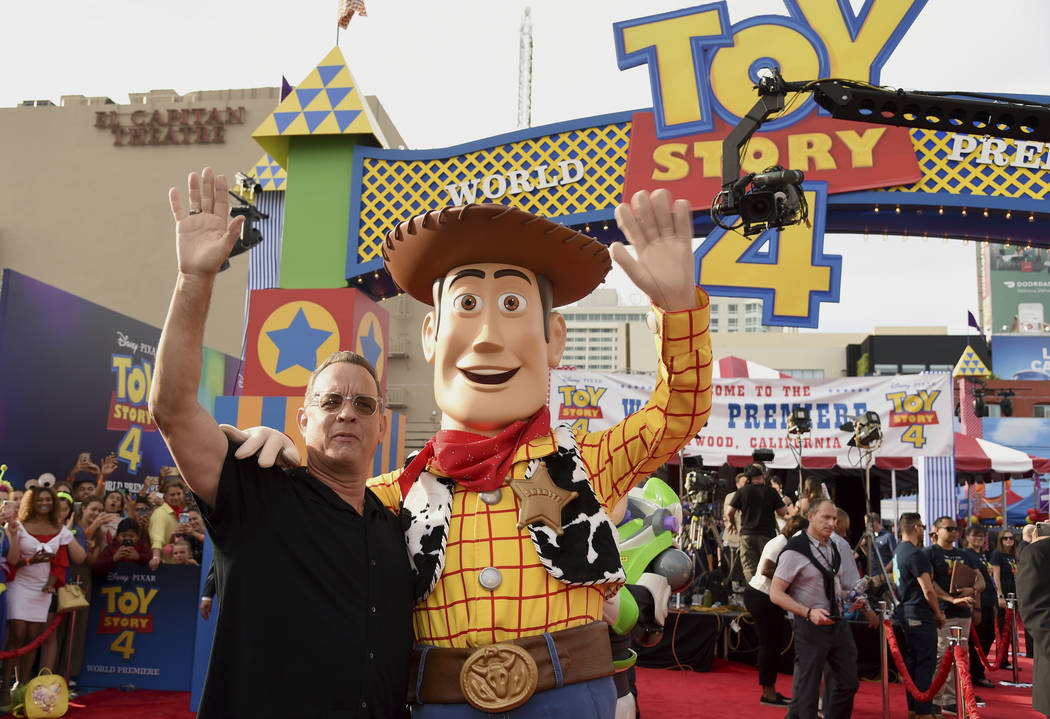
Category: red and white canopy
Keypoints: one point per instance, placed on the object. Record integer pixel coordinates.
(977, 456)
(730, 366)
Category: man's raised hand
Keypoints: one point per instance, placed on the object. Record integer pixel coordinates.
(661, 235)
(204, 236)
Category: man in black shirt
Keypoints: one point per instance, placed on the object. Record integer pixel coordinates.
(918, 610)
(957, 608)
(758, 504)
(314, 584)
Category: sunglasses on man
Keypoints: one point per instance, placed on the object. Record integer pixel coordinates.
(364, 405)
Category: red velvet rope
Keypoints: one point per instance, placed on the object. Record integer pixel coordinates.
(1001, 646)
(36, 642)
(938, 680)
(962, 666)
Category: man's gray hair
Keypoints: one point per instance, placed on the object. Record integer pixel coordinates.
(342, 356)
(815, 506)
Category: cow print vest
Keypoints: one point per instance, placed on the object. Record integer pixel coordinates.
(586, 554)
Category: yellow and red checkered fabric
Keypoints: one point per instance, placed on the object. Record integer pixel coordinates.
(528, 601)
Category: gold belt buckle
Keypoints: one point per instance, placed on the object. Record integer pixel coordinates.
(498, 677)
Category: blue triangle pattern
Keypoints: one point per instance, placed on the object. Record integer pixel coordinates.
(336, 95)
(259, 170)
(345, 117)
(278, 181)
(284, 119)
(306, 96)
(275, 168)
(328, 72)
(315, 118)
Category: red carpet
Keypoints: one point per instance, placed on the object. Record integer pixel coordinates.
(734, 688)
(662, 692)
(116, 704)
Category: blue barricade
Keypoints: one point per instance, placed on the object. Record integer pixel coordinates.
(141, 627)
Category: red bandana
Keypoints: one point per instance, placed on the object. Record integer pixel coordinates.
(476, 462)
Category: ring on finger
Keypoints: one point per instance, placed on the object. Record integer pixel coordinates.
(196, 211)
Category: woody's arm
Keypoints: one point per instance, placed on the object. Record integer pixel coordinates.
(661, 234)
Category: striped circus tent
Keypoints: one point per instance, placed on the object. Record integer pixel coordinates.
(732, 367)
(974, 455)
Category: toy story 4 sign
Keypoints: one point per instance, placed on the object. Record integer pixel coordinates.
(702, 70)
(749, 414)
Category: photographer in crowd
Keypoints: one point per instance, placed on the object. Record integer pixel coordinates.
(191, 530)
(808, 582)
(127, 546)
(759, 505)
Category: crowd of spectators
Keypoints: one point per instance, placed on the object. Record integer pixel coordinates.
(918, 569)
(68, 532)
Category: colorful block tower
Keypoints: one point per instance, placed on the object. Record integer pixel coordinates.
(309, 141)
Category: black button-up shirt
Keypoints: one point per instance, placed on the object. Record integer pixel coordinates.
(314, 600)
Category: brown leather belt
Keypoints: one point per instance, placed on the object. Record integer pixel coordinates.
(502, 676)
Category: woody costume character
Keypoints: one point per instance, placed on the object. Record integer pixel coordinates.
(505, 521)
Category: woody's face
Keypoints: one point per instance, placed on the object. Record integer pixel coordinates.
(488, 348)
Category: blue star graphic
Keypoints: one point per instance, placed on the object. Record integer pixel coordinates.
(297, 344)
(369, 347)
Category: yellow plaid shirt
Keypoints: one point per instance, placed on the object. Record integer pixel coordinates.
(528, 601)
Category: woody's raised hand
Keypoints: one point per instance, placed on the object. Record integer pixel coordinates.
(204, 235)
(661, 234)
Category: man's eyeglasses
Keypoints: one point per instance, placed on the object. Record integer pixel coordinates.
(364, 405)
(949, 527)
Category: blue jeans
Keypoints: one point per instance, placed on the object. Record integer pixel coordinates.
(594, 699)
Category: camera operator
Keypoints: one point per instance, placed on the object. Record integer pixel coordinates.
(759, 505)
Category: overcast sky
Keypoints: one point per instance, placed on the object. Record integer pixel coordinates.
(446, 72)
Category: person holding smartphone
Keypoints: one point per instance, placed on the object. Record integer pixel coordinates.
(127, 546)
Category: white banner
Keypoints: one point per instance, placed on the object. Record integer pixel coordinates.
(748, 414)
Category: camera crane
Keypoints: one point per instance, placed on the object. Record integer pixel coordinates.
(774, 198)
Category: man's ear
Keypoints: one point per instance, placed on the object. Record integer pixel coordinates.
(556, 344)
(300, 419)
(430, 335)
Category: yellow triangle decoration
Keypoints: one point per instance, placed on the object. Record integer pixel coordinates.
(269, 174)
(333, 106)
(970, 365)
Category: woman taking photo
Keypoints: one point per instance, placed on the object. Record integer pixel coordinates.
(44, 554)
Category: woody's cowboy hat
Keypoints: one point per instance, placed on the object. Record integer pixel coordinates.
(428, 245)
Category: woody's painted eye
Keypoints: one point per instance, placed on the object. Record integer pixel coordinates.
(467, 302)
(512, 302)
